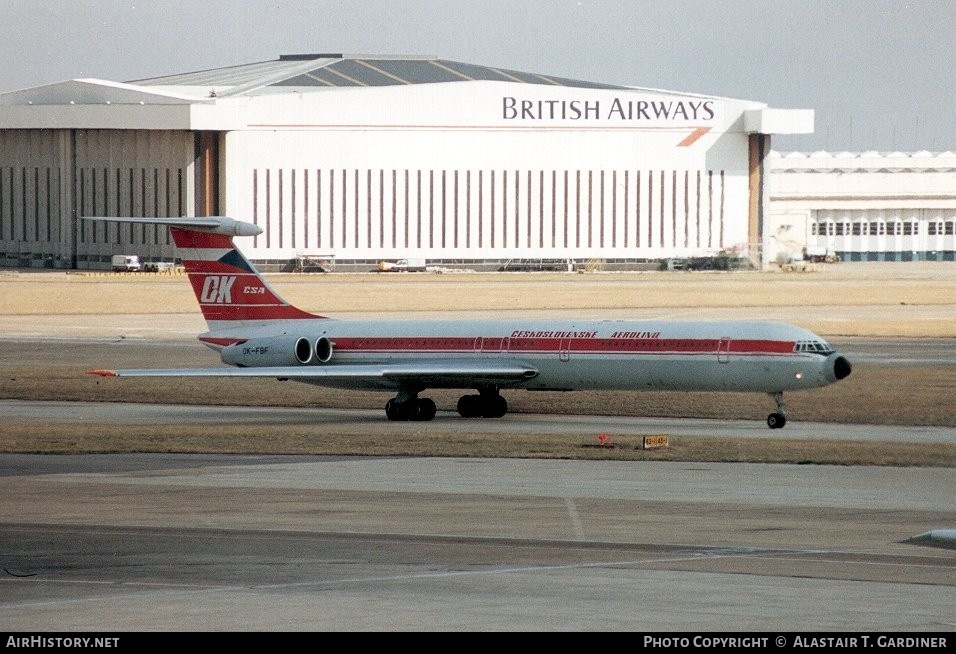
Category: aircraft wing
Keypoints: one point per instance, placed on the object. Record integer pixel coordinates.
(455, 373)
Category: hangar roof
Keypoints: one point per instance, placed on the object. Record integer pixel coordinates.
(254, 94)
(318, 70)
(863, 162)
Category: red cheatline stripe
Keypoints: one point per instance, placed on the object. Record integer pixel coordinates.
(516, 346)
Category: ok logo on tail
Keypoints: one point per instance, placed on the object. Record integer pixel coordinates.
(217, 289)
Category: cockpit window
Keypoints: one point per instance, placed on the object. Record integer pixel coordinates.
(816, 347)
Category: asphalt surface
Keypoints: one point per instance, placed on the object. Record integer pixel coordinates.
(138, 542)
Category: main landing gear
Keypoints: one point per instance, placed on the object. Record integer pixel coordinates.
(408, 406)
(777, 419)
(419, 409)
(487, 404)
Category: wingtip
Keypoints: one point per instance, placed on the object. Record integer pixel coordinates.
(103, 373)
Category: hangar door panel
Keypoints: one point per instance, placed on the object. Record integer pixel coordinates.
(481, 209)
(886, 234)
(131, 173)
(34, 210)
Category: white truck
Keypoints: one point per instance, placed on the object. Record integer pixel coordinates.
(126, 263)
(402, 265)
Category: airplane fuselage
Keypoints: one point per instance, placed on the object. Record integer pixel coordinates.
(576, 355)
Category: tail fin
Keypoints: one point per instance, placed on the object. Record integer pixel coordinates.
(229, 289)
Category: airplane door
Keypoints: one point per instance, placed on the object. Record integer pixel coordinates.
(495, 345)
(723, 350)
(492, 345)
(564, 350)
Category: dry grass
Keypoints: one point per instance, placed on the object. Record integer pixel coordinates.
(430, 440)
(903, 300)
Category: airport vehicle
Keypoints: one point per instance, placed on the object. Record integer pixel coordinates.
(403, 265)
(126, 263)
(259, 334)
(159, 266)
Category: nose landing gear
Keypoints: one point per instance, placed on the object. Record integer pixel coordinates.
(777, 419)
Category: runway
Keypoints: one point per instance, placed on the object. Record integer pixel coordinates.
(178, 542)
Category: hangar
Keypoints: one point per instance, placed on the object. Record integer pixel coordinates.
(862, 206)
(364, 158)
(356, 159)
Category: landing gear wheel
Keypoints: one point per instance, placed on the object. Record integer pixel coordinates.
(423, 410)
(776, 420)
(396, 410)
(469, 406)
(416, 409)
(494, 407)
(486, 405)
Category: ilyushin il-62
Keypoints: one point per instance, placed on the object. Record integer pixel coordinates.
(259, 334)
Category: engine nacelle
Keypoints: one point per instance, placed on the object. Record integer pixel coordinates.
(285, 350)
(323, 349)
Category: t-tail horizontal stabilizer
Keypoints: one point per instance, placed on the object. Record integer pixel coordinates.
(211, 224)
(230, 291)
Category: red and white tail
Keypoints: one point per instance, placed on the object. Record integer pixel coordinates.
(229, 289)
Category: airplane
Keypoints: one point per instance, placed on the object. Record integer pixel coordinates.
(259, 334)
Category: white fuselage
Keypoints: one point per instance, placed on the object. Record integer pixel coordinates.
(566, 355)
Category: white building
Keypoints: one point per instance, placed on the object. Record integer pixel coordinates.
(368, 158)
(867, 206)
(363, 158)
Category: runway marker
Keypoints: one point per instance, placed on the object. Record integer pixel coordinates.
(575, 519)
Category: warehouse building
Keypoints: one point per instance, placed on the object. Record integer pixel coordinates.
(863, 206)
(358, 159)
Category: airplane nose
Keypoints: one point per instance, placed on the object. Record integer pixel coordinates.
(841, 367)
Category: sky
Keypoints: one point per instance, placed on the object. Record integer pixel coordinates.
(877, 73)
